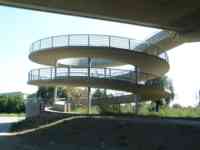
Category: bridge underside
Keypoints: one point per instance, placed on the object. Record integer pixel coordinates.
(177, 15)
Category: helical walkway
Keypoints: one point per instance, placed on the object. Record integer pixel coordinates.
(88, 59)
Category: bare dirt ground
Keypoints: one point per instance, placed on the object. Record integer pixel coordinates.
(110, 133)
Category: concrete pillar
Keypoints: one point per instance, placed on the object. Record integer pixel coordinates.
(55, 88)
(105, 92)
(137, 98)
(67, 107)
(157, 106)
(55, 94)
(105, 76)
(89, 88)
(89, 101)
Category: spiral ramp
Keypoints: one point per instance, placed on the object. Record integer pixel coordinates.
(88, 60)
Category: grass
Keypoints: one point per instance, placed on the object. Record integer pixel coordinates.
(180, 112)
(84, 110)
(183, 112)
(187, 112)
(165, 112)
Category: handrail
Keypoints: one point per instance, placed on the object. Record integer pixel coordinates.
(95, 40)
(64, 73)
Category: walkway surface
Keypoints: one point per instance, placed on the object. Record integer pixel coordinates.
(5, 123)
(108, 133)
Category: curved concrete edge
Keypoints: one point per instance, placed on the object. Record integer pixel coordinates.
(83, 63)
(120, 85)
(40, 127)
(147, 63)
(174, 121)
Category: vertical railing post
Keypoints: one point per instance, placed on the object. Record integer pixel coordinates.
(109, 40)
(129, 44)
(55, 88)
(31, 76)
(68, 40)
(105, 76)
(89, 67)
(136, 75)
(110, 73)
(88, 40)
(105, 73)
(52, 42)
(68, 72)
(51, 70)
(55, 72)
(137, 96)
(89, 88)
(38, 74)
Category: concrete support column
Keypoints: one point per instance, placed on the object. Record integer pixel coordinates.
(105, 76)
(89, 88)
(67, 107)
(89, 101)
(137, 97)
(105, 92)
(55, 93)
(55, 88)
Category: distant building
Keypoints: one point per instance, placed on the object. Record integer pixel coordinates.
(24, 95)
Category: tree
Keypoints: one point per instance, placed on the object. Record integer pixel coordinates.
(168, 84)
(164, 83)
(45, 94)
(105, 108)
(77, 95)
(12, 104)
(74, 93)
(177, 106)
(98, 94)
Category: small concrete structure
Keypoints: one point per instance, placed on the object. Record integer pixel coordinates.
(32, 108)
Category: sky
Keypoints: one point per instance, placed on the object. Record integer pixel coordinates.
(19, 28)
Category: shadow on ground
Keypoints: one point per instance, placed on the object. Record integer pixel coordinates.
(109, 133)
(4, 127)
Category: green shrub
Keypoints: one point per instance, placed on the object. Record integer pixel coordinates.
(11, 104)
(166, 111)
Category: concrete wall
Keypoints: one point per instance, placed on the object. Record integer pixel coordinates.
(32, 108)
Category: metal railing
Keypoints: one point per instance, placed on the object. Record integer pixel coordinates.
(68, 73)
(93, 40)
(64, 73)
